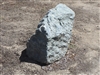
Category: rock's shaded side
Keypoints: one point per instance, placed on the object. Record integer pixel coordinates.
(52, 36)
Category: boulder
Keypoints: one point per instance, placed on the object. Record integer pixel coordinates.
(52, 36)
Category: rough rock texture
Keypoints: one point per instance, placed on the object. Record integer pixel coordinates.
(53, 34)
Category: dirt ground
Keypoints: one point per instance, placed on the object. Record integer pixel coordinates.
(18, 22)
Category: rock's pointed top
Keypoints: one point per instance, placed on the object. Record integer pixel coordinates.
(65, 9)
(61, 5)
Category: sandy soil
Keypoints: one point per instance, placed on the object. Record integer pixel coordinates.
(18, 22)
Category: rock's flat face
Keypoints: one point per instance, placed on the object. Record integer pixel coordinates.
(53, 34)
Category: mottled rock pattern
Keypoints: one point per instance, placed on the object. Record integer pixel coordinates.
(52, 36)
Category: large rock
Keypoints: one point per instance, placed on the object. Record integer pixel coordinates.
(52, 36)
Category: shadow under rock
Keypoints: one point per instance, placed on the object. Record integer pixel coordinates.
(25, 58)
(36, 49)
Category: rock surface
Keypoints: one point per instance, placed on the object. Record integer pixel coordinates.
(52, 36)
